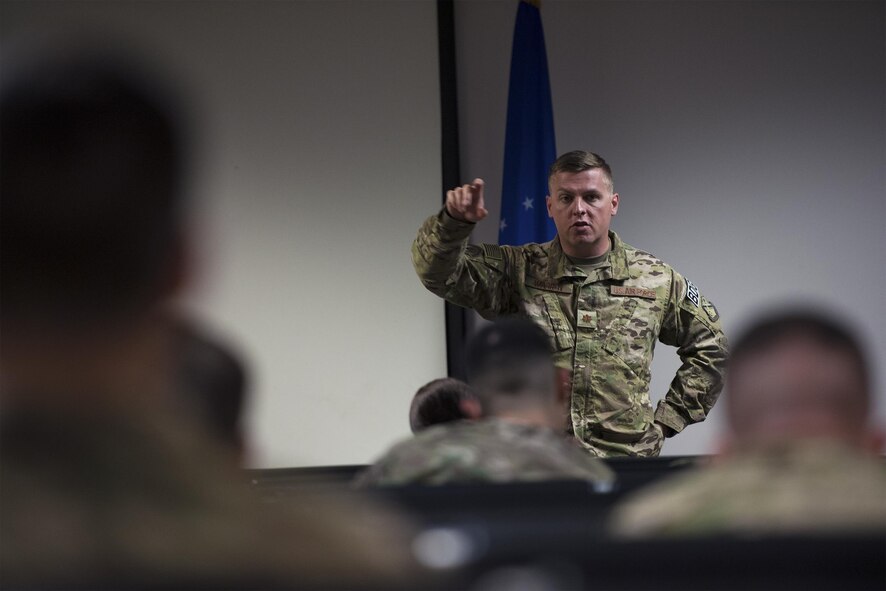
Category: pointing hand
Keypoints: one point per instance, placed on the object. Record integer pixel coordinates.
(465, 203)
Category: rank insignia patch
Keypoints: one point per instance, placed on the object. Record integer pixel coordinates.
(587, 318)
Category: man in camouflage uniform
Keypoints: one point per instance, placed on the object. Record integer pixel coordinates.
(801, 455)
(602, 303)
(518, 432)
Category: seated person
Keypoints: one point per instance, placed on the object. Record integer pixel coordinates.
(518, 434)
(801, 452)
(101, 486)
(439, 401)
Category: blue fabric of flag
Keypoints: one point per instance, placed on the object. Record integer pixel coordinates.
(529, 140)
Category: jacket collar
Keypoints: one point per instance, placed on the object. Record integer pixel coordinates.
(561, 268)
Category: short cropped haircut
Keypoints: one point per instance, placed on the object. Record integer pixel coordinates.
(91, 160)
(769, 332)
(438, 401)
(580, 161)
(504, 359)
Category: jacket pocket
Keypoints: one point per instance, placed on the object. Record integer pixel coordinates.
(564, 336)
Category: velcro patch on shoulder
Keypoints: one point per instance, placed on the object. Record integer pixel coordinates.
(635, 292)
(710, 309)
(493, 251)
(692, 293)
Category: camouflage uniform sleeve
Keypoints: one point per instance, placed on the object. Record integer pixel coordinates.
(470, 276)
(692, 324)
(370, 476)
(395, 467)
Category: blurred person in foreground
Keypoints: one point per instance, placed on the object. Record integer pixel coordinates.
(100, 484)
(440, 401)
(521, 403)
(801, 455)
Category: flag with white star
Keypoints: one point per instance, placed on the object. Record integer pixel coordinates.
(529, 138)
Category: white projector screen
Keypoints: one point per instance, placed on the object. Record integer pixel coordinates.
(320, 158)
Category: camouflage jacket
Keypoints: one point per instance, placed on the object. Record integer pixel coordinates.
(110, 501)
(803, 487)
(490, 450)
(603, 326)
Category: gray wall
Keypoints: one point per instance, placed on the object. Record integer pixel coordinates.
(746, 138)
(321, 136)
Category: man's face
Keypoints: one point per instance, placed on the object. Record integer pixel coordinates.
(582, 205)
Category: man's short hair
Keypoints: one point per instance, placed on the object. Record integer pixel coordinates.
(580, 161)
(438, 401)
(770, 332)
(504, 357)
(90, 171)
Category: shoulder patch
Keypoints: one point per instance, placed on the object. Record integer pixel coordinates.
(692, 293)
(493, 251)
(710, 309)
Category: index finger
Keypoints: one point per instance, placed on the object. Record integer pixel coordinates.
(477, 190)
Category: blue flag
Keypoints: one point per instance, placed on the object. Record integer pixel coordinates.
(529, 139)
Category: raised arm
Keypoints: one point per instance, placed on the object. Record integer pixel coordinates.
(472, 276)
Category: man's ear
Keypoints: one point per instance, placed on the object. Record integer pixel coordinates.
(471, 408)
(614, 203)
(549, 202)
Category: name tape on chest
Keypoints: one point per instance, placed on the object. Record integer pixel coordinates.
(692, 293)
(547, 285)
(636, 292)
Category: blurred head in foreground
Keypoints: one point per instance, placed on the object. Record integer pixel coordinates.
(91, 179)
(440, 401)
(91, 161)
(509, 366)
(102, 486)
(518, 432)
(796, 376)
(799, 454)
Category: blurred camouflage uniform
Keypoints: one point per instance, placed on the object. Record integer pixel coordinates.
(115, 501)
(801, 487)
(603, 324)
(489, 450)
